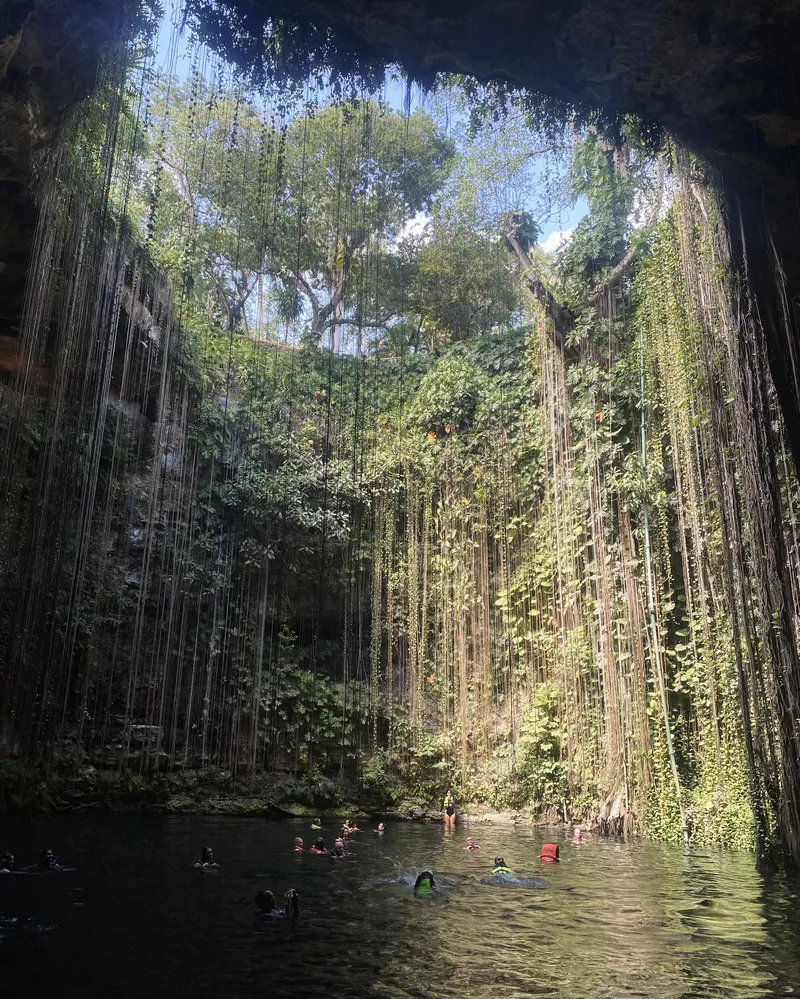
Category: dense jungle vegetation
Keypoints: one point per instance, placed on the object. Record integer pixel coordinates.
(367, 486)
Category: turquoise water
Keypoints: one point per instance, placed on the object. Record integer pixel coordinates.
(611, 919)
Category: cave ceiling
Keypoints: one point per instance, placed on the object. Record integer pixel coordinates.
(720, 75)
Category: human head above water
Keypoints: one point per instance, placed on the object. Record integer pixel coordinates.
(265, 901)
(206, 855)
(499, 862)
(319, 844)
(298, 841)
(46, 858)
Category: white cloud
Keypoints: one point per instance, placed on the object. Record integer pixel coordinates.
(415, 226)
(556, 240)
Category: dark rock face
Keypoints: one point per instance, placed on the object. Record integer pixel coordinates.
(49, 52)
(720, 74)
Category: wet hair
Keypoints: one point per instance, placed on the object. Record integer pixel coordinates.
(424, 876)
(292, 902)
(265, 901)
(46, 858)
(319, 843)
(499, 862)
(206, 855)
(298, 839)
(6, 860)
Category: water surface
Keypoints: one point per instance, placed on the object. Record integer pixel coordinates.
(611, 920)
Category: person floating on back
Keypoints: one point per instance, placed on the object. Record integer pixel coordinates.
(449, 809)
(424, 885)
(471, 844)
(298, 844)
(206, 861)
(500, 866)
(319, 846)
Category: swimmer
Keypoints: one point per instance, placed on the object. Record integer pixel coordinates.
(319, 846)
(292, 909)
(424, 885)
(265, 903)
(316, 824)
(346, 831)
(47, 861)
(471, 844)
(577, 836)
(267, 906)
(381, 829)
(500, 866)
(7, 863)
(298, 844)
(206, 861)
(337, 853)
(351, 825)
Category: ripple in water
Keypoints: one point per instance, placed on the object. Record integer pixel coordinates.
(609, 921)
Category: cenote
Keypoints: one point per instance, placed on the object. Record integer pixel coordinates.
(611, 919)
(400, 416)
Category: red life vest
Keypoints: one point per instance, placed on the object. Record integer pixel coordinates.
(549, 852)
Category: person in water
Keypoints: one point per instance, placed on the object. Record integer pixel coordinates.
(577, 836)
(500, 866)
(471, 844)
(298, 844)
(449, 809)
(267, 906)
(7, 863)
(381, 829)
(292, 909)
(338, 850)
(316, 824)
(424, 885)
(47, 861)
(319, 846)
(206, 861)
(351, 825)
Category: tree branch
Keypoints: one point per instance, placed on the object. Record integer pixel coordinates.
(619, 271)
(563, 320)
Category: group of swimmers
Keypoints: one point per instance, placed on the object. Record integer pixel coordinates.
(47, 862)
(265, 901)
(425, 884)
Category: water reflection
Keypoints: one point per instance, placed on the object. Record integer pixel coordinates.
(609, 920)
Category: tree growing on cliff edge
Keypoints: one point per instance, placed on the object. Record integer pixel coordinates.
(311, 207)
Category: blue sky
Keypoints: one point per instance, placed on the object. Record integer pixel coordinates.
(174, 53)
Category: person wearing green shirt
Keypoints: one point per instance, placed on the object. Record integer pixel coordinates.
(424, 885)
(500, 866)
